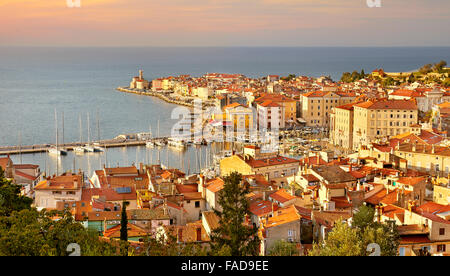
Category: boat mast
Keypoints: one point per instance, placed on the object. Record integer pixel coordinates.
(89, 129)
(57, 151)
(81, 130)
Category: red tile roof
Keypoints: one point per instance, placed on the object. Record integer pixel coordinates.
(282, 196)
(389, 104)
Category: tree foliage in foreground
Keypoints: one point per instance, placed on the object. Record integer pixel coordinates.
(344, 240)
(10, 198)
(283, 248)
(34, 233)
(232, 237)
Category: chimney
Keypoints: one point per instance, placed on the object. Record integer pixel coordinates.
(165, 207)
(351, 167)
(414, 147)
(180, 235)
(433, 149)
(265, 194)
(318, 159)
(273, 208)
(199, 234)
(141, 168)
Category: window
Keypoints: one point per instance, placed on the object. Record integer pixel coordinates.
(402, 251)
(290, 233)
(441, 231)
(197, 204)
(441, 248)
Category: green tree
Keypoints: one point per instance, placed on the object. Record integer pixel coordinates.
(283, 248)
(426, 69)
(364, 217)
(10, 197)
(169, 246)
(341, 241)
(346, 77)
(371, 231)
(438, 67)
(353, 241)
(362, 74)
(124, 229)
(33, 233)
(232, 236)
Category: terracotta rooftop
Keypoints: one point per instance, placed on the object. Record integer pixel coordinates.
(389, 104)
(333, 174)
(63, 182)
(282, 216)
(282, 196)
(275, 161)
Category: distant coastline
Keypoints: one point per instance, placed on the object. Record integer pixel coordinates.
(160, 95)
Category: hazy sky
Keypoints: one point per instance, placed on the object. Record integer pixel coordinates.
(225, 23)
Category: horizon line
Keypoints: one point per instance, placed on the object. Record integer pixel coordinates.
(240, 46)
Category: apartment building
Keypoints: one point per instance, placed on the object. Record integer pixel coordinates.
(64, 188)
(341, 125)
(270, 115)
(289, 105)
(376, 119)
(318, 105)
(432, 159)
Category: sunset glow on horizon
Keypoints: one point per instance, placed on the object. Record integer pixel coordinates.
(224, 23)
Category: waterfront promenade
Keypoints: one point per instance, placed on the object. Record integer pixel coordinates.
(165, 96)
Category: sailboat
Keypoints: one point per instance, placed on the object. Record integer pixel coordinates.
(88, 146)
(159, 142)
(56, 150)
(97, 146)
(177, 143)
(80, 149)
(150, 143)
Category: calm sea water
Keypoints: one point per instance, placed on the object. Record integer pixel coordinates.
(35, 81)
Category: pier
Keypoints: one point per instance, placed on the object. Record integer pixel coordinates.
(115, 143)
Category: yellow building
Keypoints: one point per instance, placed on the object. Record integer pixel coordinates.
(276, 168)
(241, 116)
(318, 105)
(434, 160)
(441, 194)
(341, 126)
(382, 118)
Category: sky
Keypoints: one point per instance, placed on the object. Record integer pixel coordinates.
(174, 23)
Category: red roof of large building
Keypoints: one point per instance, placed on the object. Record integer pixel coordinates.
(389, 104)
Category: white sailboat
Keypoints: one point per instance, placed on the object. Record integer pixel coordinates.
(80, 149)
(56, 150)
(97, 146)
(150, 143)
(176, 143)
(88, 146)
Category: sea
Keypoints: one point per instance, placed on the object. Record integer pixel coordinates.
(36, 81)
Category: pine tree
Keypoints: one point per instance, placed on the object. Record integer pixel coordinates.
(124, 223)
(232, 237)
